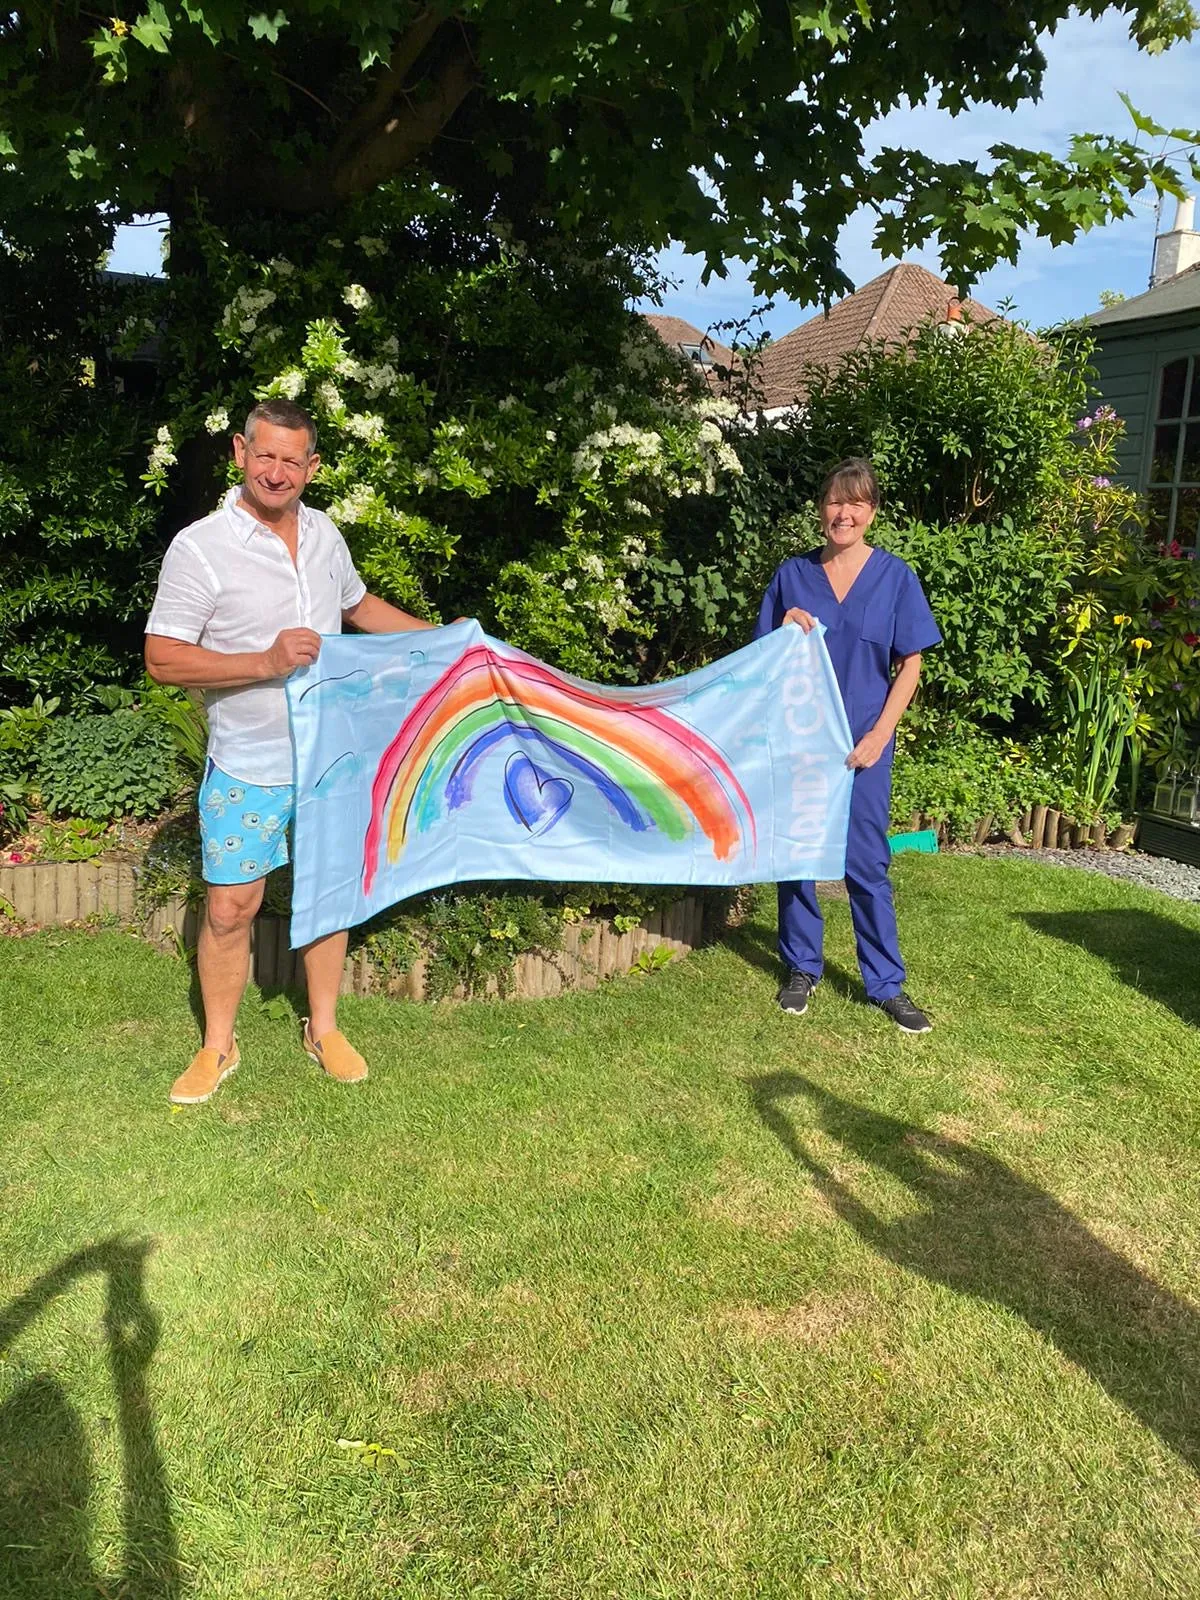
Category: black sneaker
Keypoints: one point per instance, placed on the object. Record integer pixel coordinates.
(794, 995)
(907, 1017)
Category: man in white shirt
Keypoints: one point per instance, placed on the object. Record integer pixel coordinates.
(243, 598)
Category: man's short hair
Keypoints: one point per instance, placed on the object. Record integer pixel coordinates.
(282, 414)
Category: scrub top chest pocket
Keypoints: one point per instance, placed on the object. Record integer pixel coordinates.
(878, 625)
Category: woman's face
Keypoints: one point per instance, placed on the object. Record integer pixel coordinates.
(845, 522)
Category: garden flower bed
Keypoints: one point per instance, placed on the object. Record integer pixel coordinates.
(590, 950)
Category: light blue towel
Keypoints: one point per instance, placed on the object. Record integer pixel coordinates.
(430, 758)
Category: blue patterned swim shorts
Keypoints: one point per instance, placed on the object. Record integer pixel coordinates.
(243, 827)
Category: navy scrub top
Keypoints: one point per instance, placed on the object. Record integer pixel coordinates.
(884, 615)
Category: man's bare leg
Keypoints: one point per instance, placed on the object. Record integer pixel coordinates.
(223, 956)
(323, 963)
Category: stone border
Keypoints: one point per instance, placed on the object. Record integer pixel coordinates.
(51, 894)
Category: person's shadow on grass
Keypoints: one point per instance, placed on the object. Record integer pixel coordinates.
(45, 1460)
(1151, 953)
(981, 1229)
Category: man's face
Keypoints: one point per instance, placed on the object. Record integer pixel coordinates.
(276, 466)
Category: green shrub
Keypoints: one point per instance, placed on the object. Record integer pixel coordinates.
(14, 799)
(79, 548)
(22, 730)
(181, 715)
(968, 429)
(112, 764)
(994, 589)
(969, 776)
(73, 840)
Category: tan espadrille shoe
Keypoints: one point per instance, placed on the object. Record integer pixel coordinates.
(335, 1055)
(204, 1077)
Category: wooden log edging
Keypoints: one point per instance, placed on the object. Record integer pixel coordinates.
(52, 894)
(1041, 827)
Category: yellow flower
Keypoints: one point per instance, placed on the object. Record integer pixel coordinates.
(1140, 644)
(119, 26)
(1121, 617)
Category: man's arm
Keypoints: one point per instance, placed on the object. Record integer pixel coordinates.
(373, 615)
(192, 666)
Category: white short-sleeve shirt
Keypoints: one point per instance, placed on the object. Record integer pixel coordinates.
(228, 583)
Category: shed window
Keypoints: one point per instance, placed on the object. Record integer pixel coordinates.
(1173, 486)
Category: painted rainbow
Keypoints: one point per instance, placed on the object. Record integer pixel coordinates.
(653, 771)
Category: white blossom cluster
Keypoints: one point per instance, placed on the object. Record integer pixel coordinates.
(289, 383)
(715, 407)
(645, 443)
(613, 608)
(356, 297)
(243, 311)
(163, 454)
(370, 247)
(356, 505)
(217, 421)
(381, 378)
(638, 355)
(327, 395)
(365, 425)
(281, 266)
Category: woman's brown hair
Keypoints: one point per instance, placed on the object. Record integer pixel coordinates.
(852, 479)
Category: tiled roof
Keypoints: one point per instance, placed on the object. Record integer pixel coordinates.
(1180, 293)
(885, 309)
(674, 331)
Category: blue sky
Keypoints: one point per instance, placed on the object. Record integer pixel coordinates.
(1089, 62)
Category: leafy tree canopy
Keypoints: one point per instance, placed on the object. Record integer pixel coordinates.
(734, 127)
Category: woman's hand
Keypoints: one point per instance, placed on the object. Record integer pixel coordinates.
(868, 749)
(803, 619)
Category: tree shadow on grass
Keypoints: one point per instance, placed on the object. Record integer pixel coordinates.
(1151, 953)
(45, 1461)
(981, 1229)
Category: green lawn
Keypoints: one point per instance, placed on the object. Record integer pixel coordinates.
(648, 1292)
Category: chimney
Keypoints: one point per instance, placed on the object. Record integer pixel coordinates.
(952, 323)
(1176, 251)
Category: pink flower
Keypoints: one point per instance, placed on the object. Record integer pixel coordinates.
(1084, 422)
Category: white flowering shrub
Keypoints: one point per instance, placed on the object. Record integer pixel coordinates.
(500, 436)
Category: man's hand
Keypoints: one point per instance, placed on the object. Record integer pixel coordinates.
(803, 619)
(294, 647)
(868, 749)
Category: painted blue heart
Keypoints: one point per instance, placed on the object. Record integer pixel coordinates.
(534, 798)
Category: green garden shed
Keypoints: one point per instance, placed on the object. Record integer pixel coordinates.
(1147, 355)
(1147, 361)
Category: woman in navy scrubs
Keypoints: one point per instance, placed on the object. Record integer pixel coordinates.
(877, 623)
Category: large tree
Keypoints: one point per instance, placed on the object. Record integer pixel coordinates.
(734, 126)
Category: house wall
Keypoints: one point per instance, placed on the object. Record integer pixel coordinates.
(1127, 367)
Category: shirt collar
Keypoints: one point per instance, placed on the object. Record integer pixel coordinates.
(247, 524)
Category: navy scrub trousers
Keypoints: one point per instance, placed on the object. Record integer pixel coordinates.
(884, 615)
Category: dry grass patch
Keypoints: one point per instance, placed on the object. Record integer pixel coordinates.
(816, 1320)
(472, 1376)
(746, 1200)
